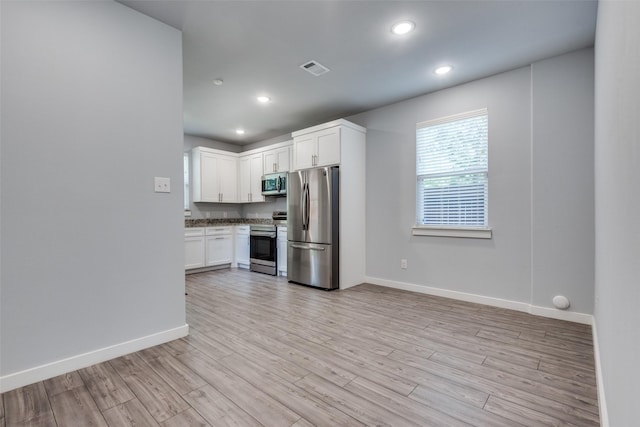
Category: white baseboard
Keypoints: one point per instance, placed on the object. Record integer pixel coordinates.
(571, 316)
(602, 402)
(50, 370)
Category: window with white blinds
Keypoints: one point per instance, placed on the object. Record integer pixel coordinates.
(451, 168)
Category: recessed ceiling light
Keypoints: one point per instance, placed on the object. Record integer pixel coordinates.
(441, 71)
(240, 131)
(263, 99)
(218, 82)
(403, 27)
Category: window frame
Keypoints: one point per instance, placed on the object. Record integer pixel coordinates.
(450, 230)
(186, 183)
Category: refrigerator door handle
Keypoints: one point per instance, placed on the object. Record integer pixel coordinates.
(308, 248)
(305, 206)
(308, 206)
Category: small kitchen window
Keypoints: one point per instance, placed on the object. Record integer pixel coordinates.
(452, 176)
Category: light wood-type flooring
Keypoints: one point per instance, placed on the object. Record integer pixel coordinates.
(263, 352)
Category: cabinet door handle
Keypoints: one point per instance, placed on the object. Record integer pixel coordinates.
(275, 167)
(219, 238)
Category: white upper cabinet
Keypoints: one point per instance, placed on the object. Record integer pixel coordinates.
(250, 178)
(222, 177)
(315, 148)
(214, 176)
(228, 169)
(276, 160)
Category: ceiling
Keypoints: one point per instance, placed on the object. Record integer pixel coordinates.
(257, 47)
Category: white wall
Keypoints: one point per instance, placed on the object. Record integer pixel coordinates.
(562, 191)
(502, 267)
(91, 256)
(264, 209)
(617, 186)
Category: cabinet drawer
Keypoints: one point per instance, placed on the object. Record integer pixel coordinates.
(193, 232)
(242, 229)
(212, 231)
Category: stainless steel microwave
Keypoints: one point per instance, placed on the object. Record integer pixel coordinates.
(274, 184)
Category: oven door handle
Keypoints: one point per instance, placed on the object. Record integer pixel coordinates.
(262, 234)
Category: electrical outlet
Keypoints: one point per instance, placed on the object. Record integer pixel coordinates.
(224, 214)
(403, 264)
(162, 185)
(207, 214)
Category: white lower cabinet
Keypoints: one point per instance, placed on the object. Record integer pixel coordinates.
(218, 246)
(242, 246)
(207, 247)
(282, 251)
(193, 248)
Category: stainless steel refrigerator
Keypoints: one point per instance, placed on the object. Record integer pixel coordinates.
(313, 246)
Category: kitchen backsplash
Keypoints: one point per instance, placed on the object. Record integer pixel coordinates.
(264, 210)
(238, 211)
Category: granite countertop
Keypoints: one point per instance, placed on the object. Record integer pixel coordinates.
(213, 222)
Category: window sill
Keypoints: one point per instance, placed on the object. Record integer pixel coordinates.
(465, 232)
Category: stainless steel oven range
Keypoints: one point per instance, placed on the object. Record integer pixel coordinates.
(263, 249)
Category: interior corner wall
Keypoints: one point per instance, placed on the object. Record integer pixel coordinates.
(563, 245)
(500, 268)
(617, 191)
(91, 257)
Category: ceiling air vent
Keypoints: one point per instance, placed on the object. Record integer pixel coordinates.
(315, 68)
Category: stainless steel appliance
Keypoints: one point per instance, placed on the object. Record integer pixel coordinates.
(274, 184)
(280, 220)
(263, 253)
(312, 233)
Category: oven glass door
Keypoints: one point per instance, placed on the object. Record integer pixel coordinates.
(263, 248)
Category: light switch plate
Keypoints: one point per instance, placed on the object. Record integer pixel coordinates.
(162, 185)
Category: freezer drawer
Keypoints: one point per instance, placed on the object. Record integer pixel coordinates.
(312, 264)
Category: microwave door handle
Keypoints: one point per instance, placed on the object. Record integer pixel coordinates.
(278, 184)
